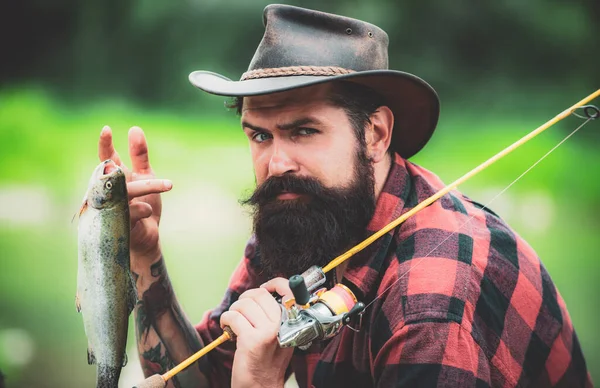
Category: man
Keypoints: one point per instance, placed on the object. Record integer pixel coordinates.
(458, 298)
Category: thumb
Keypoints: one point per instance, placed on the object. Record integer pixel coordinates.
(280, 286)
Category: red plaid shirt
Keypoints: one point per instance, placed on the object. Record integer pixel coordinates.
(473, 305)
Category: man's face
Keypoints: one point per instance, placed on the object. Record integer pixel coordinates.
(299, 132)
(314, 193)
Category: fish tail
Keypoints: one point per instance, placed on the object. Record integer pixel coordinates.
(108, 376)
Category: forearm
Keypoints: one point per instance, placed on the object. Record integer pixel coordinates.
(164, 335)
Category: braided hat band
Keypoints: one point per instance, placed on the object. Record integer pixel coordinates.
(294, 70)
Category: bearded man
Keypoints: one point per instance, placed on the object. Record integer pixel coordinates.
(459, 298)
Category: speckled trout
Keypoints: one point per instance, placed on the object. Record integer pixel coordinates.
(105, 290)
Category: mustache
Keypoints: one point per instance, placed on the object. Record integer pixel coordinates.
(276, 185)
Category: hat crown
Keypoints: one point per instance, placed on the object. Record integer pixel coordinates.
(303, 47)
(301, 37)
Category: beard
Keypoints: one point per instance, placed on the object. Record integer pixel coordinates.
(322, 223)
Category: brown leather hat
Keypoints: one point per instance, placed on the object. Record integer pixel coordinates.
(303, 47)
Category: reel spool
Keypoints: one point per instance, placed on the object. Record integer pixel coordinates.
(309, 317)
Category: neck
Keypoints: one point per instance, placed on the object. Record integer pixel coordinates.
(381, 170)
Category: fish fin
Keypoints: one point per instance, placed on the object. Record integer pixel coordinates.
(124, 360)
(82, 210)
(77, 303)
(83, 207)
(131, 295)
(91, 355)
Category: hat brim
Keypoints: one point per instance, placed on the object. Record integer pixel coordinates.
(413, 101)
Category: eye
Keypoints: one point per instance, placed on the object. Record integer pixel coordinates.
(260, 137)
(306, 131)
(108, 185)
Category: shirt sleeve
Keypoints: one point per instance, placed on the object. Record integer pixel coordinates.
(431, 353)
(565, 365)
(220, 360)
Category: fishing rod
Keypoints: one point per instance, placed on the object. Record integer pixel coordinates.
(317, 314)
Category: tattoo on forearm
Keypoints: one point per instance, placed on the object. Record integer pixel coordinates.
(157, 305)
(154, 361)
(154, 301)
(157, 300)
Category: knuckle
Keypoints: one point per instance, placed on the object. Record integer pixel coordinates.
(225, 319)
(262, 291)
(281, 282)
(225, 315)
(229, 317)
(234, 306)
(248, 294)
(240, 305)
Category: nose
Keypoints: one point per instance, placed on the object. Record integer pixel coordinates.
(282, 161)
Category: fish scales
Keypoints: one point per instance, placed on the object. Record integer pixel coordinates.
(105, 290)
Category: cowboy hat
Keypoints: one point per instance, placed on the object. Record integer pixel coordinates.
(303, 47)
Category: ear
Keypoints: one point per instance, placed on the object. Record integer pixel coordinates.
(379, 134)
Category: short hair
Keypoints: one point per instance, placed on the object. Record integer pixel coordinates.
(358, 101)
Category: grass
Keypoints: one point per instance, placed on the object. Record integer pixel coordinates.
(49, 147)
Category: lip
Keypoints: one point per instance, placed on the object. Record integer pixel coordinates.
(107, 168)
(288, 196)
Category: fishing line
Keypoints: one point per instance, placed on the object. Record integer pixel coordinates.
(589, 116)
(590, 111)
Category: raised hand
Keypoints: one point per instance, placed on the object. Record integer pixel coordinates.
(144, 194)
(255, 318)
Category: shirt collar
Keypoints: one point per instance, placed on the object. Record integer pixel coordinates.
(364, 268)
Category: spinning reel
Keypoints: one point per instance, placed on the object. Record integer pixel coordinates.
(314, 316)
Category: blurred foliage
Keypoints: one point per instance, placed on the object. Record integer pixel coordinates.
(68, 68)
(48, 151)
(144, 50)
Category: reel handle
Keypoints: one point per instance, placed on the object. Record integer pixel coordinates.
(299, 289)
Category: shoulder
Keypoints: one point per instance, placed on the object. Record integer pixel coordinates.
(457, 261)
(458, 248)
(456, 256)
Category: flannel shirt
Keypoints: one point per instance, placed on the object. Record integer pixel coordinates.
(469, 304)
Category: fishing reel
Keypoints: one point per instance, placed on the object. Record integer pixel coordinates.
(314, 316)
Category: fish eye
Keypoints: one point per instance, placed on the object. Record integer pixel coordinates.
(108, 185)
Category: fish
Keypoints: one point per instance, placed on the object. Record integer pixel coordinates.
(106, 292)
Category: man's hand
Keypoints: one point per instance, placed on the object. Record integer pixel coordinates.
(144, 198)
(255, 318)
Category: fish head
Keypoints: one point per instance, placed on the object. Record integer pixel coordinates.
(107, 186)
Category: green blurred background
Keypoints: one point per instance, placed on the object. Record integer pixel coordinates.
(501, 68)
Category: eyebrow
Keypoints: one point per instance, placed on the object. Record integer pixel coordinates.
(284, 127)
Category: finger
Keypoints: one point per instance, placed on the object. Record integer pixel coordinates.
(263, 299)
(148, 186)
(139, 210)
(236, 321)
(138, 151)
(106, 149)
(254, 313)
(280, 286)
